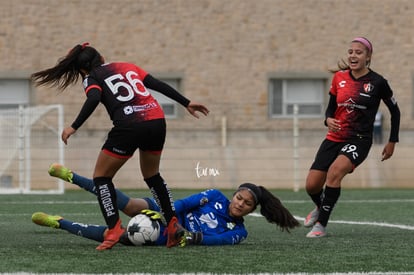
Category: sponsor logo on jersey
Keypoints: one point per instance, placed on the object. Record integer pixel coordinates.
(128, 110)
(139, 108)
(350, 105)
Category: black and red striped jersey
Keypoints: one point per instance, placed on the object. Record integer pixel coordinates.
(357, 102)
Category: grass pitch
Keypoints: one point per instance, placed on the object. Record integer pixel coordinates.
(371, 231)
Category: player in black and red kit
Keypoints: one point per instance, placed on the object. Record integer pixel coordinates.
(355, 95)
(138, 122)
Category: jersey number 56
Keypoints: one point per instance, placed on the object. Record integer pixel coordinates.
(131, 84)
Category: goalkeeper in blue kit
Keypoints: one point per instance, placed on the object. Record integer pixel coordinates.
(209, 217)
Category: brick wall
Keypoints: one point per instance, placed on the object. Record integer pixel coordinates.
(224, 49)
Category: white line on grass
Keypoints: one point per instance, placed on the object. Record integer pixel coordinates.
(358, 201)
(380, 224)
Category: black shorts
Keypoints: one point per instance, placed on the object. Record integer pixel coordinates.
(148, 135)
(356, 150)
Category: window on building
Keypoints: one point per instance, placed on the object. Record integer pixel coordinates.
(307, 93)
(169, 106)
(14, 92)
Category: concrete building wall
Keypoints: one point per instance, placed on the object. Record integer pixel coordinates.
(225, 52)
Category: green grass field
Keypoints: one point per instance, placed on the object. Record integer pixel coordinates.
(371, 231)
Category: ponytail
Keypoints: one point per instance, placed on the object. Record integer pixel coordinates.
(271, 207)
(274, 211)
(69, 68)
(342, 66)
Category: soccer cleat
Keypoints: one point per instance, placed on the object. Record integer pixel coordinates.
(175, 233)
(112, 237)
(44, 219)
(317, 231)
(311, 218)
(59, 171)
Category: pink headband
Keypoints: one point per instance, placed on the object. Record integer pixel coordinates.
(365, 42)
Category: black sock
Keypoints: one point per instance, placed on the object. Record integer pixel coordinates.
(162, 196)
(329, 200)
(317, 198)
(105, 190)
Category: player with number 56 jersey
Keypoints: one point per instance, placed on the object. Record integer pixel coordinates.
(139, 123)
(123, 92)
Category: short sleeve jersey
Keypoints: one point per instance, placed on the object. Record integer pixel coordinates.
(357, 103)
(123, 93)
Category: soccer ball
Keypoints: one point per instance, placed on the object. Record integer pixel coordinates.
(142, 230)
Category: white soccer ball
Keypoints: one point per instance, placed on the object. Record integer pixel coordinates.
(142, 230)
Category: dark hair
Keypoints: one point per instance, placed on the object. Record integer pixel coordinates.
(68, 69)
(271, 207)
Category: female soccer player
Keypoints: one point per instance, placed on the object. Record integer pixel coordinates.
(208, 217)
(138, 121)
(355, 95)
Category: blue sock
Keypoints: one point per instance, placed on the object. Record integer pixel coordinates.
(85, 183)
(89, 231)
(88, 185)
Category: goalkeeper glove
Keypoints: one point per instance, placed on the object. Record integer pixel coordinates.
(191, 238)
(154, 215)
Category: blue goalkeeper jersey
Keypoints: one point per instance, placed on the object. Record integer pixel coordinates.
(207, 212)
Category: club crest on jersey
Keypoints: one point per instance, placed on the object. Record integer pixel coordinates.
(368, 87)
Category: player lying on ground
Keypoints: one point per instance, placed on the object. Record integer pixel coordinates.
(209, 216)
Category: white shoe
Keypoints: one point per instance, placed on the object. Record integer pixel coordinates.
(317, 231)
(311, 218)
